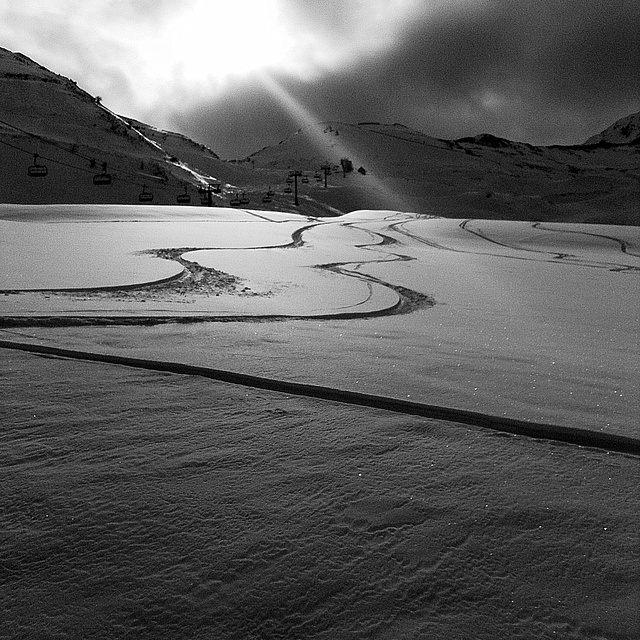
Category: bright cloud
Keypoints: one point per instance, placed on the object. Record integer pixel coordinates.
(543, 70)
(157, 52)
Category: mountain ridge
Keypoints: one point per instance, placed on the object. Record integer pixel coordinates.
(47, 119)
(623, 131)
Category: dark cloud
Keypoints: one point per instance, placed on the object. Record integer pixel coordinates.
(243, 120)
(541, 71)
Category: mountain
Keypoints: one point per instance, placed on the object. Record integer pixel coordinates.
(47, 120)
(623, 131)
(482, 176)
(77, 138)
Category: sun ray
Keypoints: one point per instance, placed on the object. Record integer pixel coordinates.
(309, 121)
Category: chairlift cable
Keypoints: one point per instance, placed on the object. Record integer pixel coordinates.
(75, 153)
(70, 166)
(84, 169)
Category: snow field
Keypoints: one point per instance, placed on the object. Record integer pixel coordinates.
(536, 322)
(192, 509)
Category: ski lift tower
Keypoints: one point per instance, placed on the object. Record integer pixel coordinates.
(206, 195)
(295, 175)
(326, 169)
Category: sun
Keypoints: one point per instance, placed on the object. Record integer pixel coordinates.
(212, 41)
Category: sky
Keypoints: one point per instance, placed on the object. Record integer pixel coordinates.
(243, 74)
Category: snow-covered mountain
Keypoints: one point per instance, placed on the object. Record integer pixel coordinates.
(47, 120)
(482, 176)
(77, 138)
(623, 131)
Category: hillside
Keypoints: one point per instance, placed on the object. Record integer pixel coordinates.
(483, 176)
(75, 137)
(623, 131)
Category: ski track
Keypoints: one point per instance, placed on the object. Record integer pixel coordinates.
(559, 257)
(624, 247)
(408, 299)
(553, 257)
(541, 431)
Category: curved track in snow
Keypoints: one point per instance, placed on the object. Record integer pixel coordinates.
(571, 435)
(407, 299)
(536, 255)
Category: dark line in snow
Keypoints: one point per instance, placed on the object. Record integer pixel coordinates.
(572, 435)
(624, 247)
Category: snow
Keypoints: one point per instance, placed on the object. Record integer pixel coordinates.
(533, 321)
(622, 131)
(97, 249)
(183, 507)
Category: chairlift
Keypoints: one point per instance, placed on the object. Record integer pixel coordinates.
(145, 196)
(267, 198)
(270, 192)
(244, 199)
(37, 170)
(305, 180)
(102, 178)
(288, 189)
(235, 201)
(184, 198)
(289, 180)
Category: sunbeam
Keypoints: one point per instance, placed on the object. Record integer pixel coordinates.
(312, 126)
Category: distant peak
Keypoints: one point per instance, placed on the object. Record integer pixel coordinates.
(623, 131)
(373, 123)
(487, 140)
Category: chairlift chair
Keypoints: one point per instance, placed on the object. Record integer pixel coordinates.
(235, 201)
(270, 192)
(267, 198)
(102, 178)
(184, 198)
(145, 196)
(305, 180)
(37, 170)
(289, 180)
(244, 199)
(288, 189)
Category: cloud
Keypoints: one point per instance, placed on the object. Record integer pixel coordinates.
(541, 71)
(239, 122)
(538, 71)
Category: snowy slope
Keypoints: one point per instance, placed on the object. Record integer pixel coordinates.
(172, 506)
(623, 131)
(74, 135)
(481, 176)
(527, 320)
